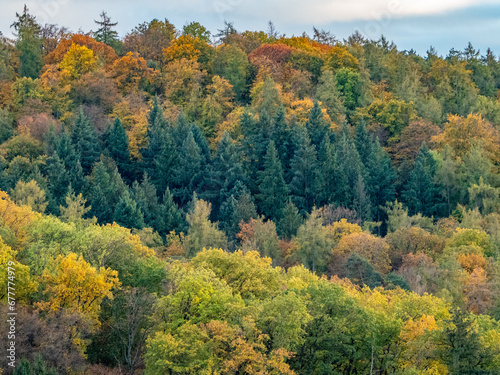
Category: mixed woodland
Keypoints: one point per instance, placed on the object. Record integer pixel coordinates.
(180, 202)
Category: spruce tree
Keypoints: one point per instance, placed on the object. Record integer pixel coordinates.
(189, 170)
(304, 168)
(363, 142)
(224, 171)
(272, 188)
(381, 180)
(29, 44)
(172, 218)
(421, 193)
(127, 214)
(290, 221)
(118, 148)
(85, 141)
(316, 125)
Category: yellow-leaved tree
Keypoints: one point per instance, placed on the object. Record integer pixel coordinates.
(78, 287)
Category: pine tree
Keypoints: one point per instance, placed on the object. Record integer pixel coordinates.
(67, 154)
(316, 125)
(85, 141)
(363, 142)
(145, 195)
(349, 165)
(127, 214)
(361, 202)
(105, 33)
(202, 143)
(189, 170)
(332, 181)
(272, 188)
(464, 353)
(118, 148)
(421, 193)
(381, 180)
(172, 218)
(236, 208)
(223, 173)
(29, 44)
(290, 221)
(58, 183)
(304, 167)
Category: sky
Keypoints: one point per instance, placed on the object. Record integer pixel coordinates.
(410, 24)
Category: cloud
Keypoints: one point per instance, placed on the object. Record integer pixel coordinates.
(325, 11)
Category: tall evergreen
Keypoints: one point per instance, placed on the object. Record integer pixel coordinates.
(127, 214)
(363, 142)
(223, 173)
(145, 195)
(332, 181)
(118, 148)
(67, 154)
(189, 170)
(172, 217)
(381, 179)
(349, 164)
(237, 207)
(290, 221)
(316, 125)
(29, 44)
(272, 188)
(85, 141)
(304, 168)
(421, 193)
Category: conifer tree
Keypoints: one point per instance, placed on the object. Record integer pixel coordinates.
(172, 218)
(304, 185)
(29, 44)
(189, 170)
(290, 221)
(118, 148)
(224, 171)
(85, 141)
(363, 142)
(316, 125)
(272, 188)
(381, 179)
(127, 214)
(421, 193)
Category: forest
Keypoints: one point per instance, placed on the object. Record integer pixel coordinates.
(177, 202)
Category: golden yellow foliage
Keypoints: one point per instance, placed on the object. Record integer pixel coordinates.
(78, 287)
(77, 61)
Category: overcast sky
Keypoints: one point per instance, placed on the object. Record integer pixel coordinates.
(415, 24)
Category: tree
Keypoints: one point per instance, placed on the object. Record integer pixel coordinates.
(85, 142)
(172, 218)
(127, 213)
(290, 221)
(381, 180)
(77, 286)
(272, 187)
(361, 272)
(28, 43)
(196, 30)
(201, 232)
(189, 169)
(316, 125)
(330, 97)
(117, 145)
(313, 245)
(31, 195)
(75, 208)
(304, 183)
(421, 193)
(463, 351)
(105, 33)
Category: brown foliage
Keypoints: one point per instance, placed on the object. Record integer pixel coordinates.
(37, 126)
(102, 50)
(411, 139)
